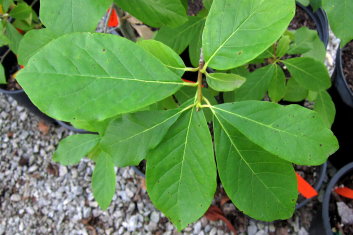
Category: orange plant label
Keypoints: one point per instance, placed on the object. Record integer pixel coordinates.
(344, 192)
(304, 188)
(114, 19)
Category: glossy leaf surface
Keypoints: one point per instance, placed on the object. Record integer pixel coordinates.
(13, 36)
(277, 88)
(260, 184)
(178, 38)
(32, 42)
(103, 180)
(340, 15)
(295, 92)
(156, 13)
(225, 81)
(325, 107)
(90, 77)
(309, 73)
(2, 75)
(73, 148)
(291, 132)
(256, 85)
(65, 16)
(165, 54)
(181, 171)
(128, 138)
(237, 31)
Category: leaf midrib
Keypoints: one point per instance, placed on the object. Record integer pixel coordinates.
(149, 129)
(109, 77)
(231, 35)
(244, 160)
(259, 123)
(301, 70)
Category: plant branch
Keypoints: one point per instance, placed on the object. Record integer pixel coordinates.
(34, 2)
(4, 55)
(199, 81)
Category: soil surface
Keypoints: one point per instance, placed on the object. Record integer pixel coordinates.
(194, 7)
(347, 60)
(301, 19)
(335, 218)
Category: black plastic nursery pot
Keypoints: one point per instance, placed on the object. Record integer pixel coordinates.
(11, 66)
(328, 195)
(73, 129)
(320, 19)
(341, 84)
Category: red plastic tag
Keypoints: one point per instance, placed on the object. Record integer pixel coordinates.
(185, 80)
(304, 188)
(114, 19)
(344, 192)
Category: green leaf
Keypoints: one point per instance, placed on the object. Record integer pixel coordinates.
(6, 4)
(2, 75)
(166, 104)
(93, 126)
(340, 15)
(277, 88)
(292, 132)
(295, 92)
(156, 13)
(315, 4)
(3, 38)
(178, 38)
(103, 180)
(308, 43)
(23, 25)
(260, 184)
(225, 81)
(181, 171)
(309, 73)
(165, 54)
(129, 138)
(236, 32)
(303, 39)
(304, 2)
(207, 4)
(14, 37)
(73, 148)
(185, 4)
(318, 50)
(90, 77)
(256, 85)
(65, 16)
(325, 107)
(195, 44)
(283, 46)
(32, 42)
(22, 11)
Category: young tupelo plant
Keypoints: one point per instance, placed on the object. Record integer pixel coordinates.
(290, 70)
(16, 18)
(115, 87)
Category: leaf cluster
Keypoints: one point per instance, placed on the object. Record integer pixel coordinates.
(133, 97)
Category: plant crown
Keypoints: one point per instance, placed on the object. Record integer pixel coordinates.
(133, 96)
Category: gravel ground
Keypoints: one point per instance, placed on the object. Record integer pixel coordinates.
(38, 196)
